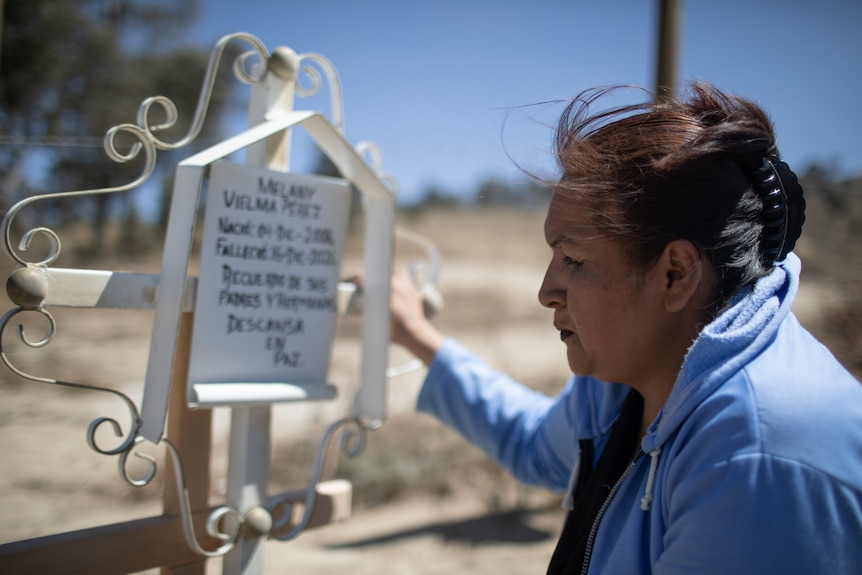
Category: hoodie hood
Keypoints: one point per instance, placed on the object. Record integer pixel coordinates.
(726, 345)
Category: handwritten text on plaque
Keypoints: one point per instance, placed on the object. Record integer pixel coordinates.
(270, 255)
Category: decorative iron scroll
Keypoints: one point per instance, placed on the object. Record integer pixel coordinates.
(28, 286)
(259, 521)
(352, 443)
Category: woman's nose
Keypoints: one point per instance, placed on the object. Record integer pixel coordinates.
(552, 293)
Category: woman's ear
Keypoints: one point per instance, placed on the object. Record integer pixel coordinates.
(683, 270)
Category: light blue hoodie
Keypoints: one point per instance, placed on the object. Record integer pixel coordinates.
(753, 466)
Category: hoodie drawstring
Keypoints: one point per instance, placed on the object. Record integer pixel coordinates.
(653, 466)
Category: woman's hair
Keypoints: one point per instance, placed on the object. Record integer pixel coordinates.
(703, 167)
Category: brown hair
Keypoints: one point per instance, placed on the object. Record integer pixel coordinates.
(668, 169)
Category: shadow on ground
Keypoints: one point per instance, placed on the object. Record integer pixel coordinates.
(497, 528)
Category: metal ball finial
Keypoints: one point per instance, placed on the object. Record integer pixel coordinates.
(27, 287)
(283, 62)
(257, 522)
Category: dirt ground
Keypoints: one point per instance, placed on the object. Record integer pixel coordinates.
(425, 502)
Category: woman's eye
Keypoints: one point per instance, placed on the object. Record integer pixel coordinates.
(572, 262)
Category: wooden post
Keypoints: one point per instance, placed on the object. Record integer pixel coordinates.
(191, 432)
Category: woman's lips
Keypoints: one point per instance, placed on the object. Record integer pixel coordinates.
(565, 334)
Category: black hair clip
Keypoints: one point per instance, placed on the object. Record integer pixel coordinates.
(769, 189)
(783, 208)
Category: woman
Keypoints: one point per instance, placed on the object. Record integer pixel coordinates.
(704, 430)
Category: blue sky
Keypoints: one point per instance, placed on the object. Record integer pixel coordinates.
(452, 91)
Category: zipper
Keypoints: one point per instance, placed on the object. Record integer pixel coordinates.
(588, 551)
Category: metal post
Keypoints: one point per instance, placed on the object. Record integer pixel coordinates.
(668, 33)
(249, 450)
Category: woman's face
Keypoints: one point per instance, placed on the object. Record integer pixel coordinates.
(610, 315)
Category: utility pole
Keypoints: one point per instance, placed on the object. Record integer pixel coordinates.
(668, 36)
(2, 7)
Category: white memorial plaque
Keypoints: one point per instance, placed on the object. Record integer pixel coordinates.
(265, 311)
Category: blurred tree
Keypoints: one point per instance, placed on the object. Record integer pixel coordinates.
(324, 166)
(435, 196)
(69, 71)
(525, 194)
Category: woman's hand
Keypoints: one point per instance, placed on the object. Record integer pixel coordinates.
(409, 325)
